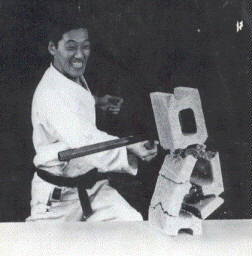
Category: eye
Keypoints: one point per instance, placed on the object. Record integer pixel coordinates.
(71, 48)
(86, 47)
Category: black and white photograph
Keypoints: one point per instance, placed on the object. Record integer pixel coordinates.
(124, 127)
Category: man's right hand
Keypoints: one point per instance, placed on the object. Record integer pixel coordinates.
(144, 150)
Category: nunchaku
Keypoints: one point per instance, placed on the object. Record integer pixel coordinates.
(69, 154)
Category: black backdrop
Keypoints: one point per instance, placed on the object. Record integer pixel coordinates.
(138, 46)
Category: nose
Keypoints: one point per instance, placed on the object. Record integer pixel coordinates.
(79, 54)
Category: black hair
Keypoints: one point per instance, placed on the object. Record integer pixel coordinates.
(57, 29)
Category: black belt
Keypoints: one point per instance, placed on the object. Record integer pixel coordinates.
(81, 182)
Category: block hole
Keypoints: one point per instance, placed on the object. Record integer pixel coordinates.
(202, 173)
(187, 121)
(185, 231)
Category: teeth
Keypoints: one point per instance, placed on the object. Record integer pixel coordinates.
(77, 64)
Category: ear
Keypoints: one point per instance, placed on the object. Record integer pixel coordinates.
(51, 48)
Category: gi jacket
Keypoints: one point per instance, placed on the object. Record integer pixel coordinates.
(63, 117)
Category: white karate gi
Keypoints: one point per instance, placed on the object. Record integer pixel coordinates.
(63, 117)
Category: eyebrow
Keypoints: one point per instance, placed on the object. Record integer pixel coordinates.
(75, 42)
(71, 42)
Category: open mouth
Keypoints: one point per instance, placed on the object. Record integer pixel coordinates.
(77, 64)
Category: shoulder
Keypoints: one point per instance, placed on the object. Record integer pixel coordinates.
(44, 83)
(49, 89)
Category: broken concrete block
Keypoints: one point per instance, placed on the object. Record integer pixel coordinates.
(178, 169)
(170, 194)
(205, 207)
(168, 109)
(213, 183)
(172, 225)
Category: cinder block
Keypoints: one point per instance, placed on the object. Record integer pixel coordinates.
(166, 108)
(170, 194)
(213, 184)
(178, 169)
(204, 207)
(171, 225)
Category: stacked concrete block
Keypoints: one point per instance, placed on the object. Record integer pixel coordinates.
(178, 169)
(173, 225)
(166, 109)
(169, 210)
(173, 183)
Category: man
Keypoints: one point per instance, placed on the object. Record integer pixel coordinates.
(63, 117)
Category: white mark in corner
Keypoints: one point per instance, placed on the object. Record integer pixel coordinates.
(239, 26)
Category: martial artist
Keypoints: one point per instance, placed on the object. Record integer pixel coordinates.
(63, 117)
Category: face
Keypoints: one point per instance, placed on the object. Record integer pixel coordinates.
(72, 52)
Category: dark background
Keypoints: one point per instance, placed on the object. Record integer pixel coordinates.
(138, 46)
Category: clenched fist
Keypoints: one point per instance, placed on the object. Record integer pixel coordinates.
(109, 103)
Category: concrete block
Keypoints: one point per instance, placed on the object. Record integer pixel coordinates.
(212, 184)
(205, 207)
(167, 107)
(170, 194)
(178, 169)
(172, 225)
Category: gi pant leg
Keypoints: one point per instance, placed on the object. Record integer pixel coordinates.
(106, 202)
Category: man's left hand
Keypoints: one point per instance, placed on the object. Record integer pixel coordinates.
(109, 103)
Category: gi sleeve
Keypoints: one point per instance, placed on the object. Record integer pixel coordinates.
(72, 124)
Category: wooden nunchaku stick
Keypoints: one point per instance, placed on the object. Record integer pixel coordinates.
(103, 146)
